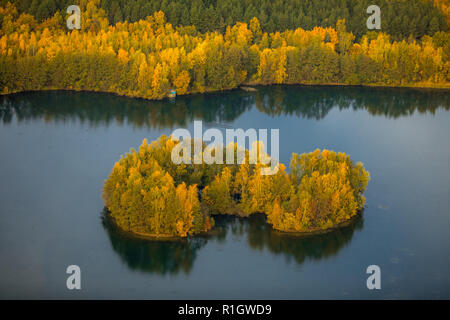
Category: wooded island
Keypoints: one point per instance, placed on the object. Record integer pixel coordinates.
(147, 194)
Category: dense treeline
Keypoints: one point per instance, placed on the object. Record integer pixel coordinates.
(147, 193)
(400, 18)
(149, 57)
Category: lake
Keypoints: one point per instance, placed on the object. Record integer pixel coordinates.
(57, 148)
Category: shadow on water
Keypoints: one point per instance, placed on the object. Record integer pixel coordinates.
(261, 236)
(171, 257)
(159, 257)
(312, 102)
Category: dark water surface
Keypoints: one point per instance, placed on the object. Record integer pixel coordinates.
(57, 148)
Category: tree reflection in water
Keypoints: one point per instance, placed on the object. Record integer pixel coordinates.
(153, 256)
(261, 236)
(173, 256)
(314, 102)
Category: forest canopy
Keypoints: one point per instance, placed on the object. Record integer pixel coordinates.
(151, 57)
(400, 18)
(147, 194)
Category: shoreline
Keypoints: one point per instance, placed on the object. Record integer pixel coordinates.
(299, 234)
(316, 231)
(246, 87)
(139, 235)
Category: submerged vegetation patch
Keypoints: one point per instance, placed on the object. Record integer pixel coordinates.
(147, 194)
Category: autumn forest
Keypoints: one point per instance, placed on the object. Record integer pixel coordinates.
(151, 49)
(150, 57)
(217, 150)
(147, 194)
